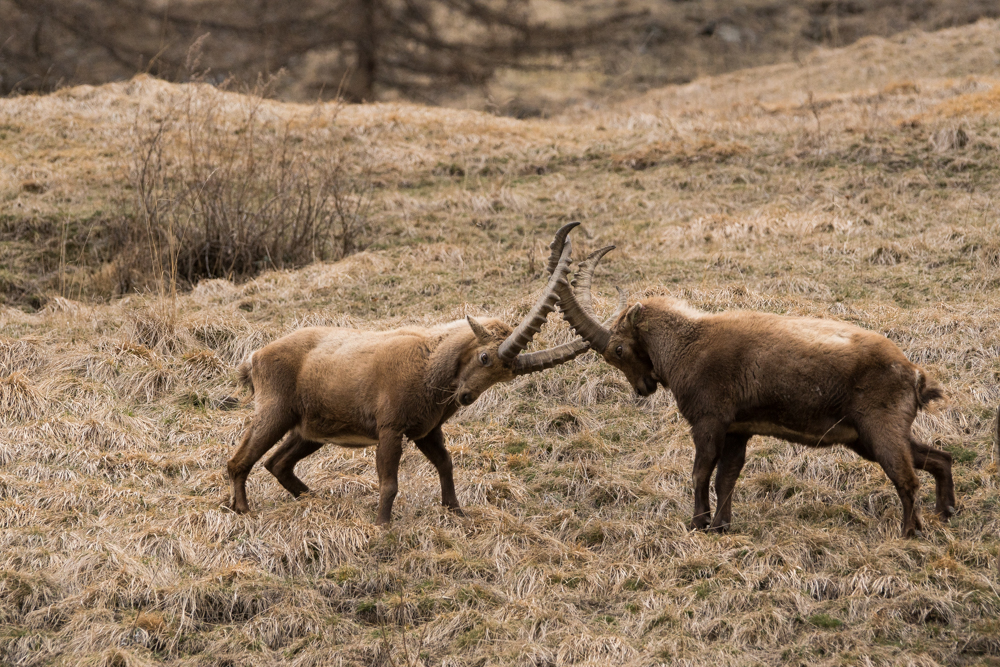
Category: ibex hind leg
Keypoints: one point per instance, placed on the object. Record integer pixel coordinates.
(938, 464)
(263, 433)
(282, 462)
(888, 444)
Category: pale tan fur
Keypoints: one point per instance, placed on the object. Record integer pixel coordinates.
(360, 388)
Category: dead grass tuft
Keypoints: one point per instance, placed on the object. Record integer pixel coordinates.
(949, 139)
(679, 153)
(981, 103)
(18, 355)
(20, 399)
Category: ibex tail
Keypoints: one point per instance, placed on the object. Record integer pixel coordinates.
(927, 390)
(245, 373)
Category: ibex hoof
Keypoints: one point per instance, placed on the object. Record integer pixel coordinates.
(948, 512)
(237, 507)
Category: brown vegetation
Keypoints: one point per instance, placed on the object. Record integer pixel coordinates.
(219, 190)
(321, 49)
(116, 421)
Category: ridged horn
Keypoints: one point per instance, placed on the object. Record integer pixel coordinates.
(580, 320)
(622, 306)
(585, 276)
(532, 322)
(557, 245)
(532, 362)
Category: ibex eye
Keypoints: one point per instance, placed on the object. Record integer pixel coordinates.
(484, 359)
(618, 350)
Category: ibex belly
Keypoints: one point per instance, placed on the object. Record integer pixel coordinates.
(351, 441)
(838, 434)
(341, 437)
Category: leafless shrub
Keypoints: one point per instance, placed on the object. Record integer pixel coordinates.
(223, 193)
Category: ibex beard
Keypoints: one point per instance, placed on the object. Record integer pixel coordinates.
(361, 388)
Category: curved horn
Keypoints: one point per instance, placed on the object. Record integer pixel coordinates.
(532, 362)
(582, 322)
(532, 322)
(622, 305)
(557, 245)
(585, 275)
(482, 335)
(553, 356)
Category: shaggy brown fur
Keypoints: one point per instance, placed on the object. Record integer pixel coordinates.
(811, 381)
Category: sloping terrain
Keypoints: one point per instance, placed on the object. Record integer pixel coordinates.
(860, 185)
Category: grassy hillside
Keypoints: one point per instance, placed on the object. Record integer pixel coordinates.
(860, 185)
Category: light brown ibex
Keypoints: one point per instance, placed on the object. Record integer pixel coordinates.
(360, 388)
(738, 374)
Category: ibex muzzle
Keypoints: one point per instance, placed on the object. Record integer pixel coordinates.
(360, 388)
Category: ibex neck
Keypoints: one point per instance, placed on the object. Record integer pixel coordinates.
(667, 330)
(446, 355)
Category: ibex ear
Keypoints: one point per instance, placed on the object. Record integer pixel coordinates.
(482, 335)
(634, 313)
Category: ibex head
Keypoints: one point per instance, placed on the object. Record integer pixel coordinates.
(481, 366)
(496, 354)
(626, 352)
(619, 339)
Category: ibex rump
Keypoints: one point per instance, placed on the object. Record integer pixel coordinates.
(739, 374)
(361, 388)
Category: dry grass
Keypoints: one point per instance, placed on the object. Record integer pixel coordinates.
(859, 202)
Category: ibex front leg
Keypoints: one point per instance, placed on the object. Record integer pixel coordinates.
(387, 454)
(432, 445)
(734, 455)
(709, 440)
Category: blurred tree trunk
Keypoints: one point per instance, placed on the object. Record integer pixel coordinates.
(363, 48)
(368, 51)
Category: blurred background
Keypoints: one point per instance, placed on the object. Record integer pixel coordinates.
(515, 57)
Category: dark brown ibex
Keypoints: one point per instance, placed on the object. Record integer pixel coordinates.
(806, 380)
(360, 388)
